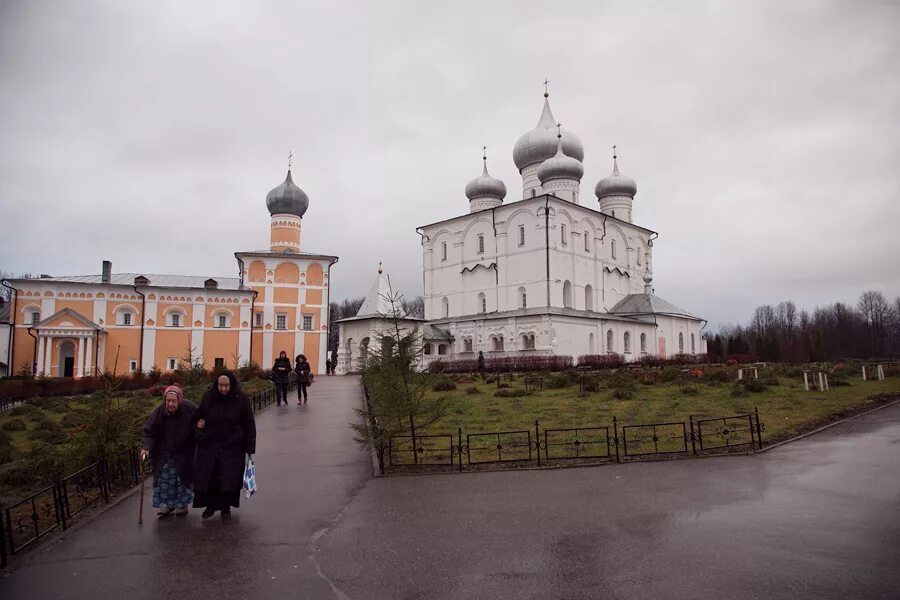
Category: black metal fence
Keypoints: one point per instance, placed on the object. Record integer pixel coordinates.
(620, 443)
(54, 507)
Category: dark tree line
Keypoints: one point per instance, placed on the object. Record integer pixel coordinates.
(836, 331)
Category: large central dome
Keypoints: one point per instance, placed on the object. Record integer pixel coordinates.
(539, 144)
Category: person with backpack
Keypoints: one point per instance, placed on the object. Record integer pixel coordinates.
(281, 375)
(304, 377)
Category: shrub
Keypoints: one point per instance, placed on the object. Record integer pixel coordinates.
(510, 393)
(838, 382)
(755, 385)
(621, 379)
(444, 384)
(506, 364)
(502, 385)
(590, 384)
(45, 423)
(601, 361)
(648, 377)
(557, 381)
(739, 391)
(622, 393)
(13, 425)
(472, 391)
(17, 472)
(690, 389)
(769, 381)
(463, 380)
(670, 374)
(49, 436)
(73, 419)
(24, 410)
(718, 375)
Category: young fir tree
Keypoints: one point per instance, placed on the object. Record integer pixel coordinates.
(397, 389)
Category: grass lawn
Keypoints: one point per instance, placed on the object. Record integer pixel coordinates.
(785, 409)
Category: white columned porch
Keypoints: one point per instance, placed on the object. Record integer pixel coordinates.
(89, 357)
(48, 357)
(42, 348)
(79, 371)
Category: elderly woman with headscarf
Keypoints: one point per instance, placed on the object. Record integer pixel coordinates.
(168, 437)
(226, 433)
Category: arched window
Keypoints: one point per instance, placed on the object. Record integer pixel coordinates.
(567, 294)
(531, 341)
(591, 344)
(444, 251)
(498, 343)
(680, 343)
(125, 316)
(609, 341)
(639, 256)
(467, 345)
(364, 349)
(562, 231)
(480, 243)
(521, 235)
(175, 317)
(614, 214)
(32, 315)
(587, 241)
(588, 297)
(627, 342)
(643, 342)
(427, 349)
(445, 307)
(222, 319)
(612, 248)
(693, 349)
(482, 303)
(523, 300)
(525, 341)
(533, 192)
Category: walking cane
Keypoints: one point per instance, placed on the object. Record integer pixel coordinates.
(141, 496)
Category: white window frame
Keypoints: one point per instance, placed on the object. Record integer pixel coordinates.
(643, 343)
(221, 321)
(172, 315)
(132, 365)
(35, 317)
(482, 303)
(309, 319)
(258, 319)
(445, 306)
(480, 243)
(626, 342)
(521, 235)
(281, 321)
(171, 364)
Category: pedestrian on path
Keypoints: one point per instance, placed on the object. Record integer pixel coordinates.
(481, 364)
(168, 440)
(226, 434)
(281, 375)
(304, 377)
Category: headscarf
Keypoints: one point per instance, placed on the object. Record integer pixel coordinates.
(174, 389)
(233, 391)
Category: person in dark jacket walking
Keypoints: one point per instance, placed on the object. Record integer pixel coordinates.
(481, 364)
(226, 433)
(281, 375)
(168, 440)
(303, 372)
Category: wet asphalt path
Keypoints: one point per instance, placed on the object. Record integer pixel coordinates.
(817, 519)
(308, 467)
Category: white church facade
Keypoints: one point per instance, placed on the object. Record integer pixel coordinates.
(553, 272)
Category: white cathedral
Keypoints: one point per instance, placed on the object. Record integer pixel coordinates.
(544, 274)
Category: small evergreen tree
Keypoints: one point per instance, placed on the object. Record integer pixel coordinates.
(397, 390)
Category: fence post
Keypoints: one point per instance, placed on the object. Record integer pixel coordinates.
(459, 447)
(3, 559)
(693, 441)
(58, 505)
(616, 437)
(758, 428)
(537, 441)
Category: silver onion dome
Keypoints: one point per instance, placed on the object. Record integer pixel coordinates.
(616, 184)
(287, 199)
(539, 144)
(485, 186)
(560, 166)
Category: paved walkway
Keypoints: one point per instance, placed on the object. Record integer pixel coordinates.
(819, 518)
(308, 468)
(815, 519)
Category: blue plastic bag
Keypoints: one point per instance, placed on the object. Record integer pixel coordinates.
(249, 477)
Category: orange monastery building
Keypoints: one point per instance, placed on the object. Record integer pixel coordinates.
(82, 325)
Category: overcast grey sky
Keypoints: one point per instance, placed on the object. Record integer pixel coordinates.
(764, 136)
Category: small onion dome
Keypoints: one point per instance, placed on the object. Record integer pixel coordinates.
(540, 143)
(616, 184)
(560, 167)
(287, 199)
(485, 186)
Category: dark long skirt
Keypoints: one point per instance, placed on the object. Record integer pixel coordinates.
(213, 496)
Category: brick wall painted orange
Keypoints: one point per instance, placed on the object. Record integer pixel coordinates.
(286, 295)
(257, 353)
(256, 271)
(291, 313)
(23, 350)
(172, 342)
(282, 341)
(213, 310)
(220, 344)
(115, 304)
(128, 340)
(311, 350)
(314, 274)
(314, 297)
(85, 308)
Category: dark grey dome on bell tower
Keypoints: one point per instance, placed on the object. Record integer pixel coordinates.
(287, 199)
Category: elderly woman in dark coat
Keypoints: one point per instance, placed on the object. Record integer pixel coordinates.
(169, 442)
(226, 432)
